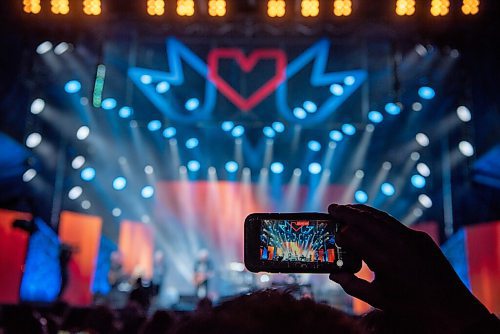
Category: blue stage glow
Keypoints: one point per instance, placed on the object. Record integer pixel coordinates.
(336, 89)
(348, 129)
(108, 104)
(192, 143)
(427, 93)
(278, 127)
(162, 87)
(277, 167)
(336, 135)
(119, 183)
(147, 192)
(360, 196)
(418, 181)
(387, 189)
(269, 132)
(227, 126)
(313, 145)
(146, 79)
(169, 132)
(192, 104)
(193, 166)
(392, 108)
(87, 174)
(238, 131)
(299, 113)
(154, 125)
(314, 168)
(125, 112)
(349, 80)
(310, 106)
(72, 86)
(375, 116)
(231, 166)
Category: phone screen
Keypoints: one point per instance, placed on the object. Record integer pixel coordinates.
(305, 241)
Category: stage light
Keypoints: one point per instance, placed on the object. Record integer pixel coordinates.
(375, 116)
(146, 79)
(78, 162)
(336, 89)
(75, 192)
(269, 132)
(125, 112)
(418, 181)
(162, 87)
(192, 104)
(425, 201)
(310, 106)
(392, 108)
(342, 7)
(427, 93)
(156, 7)
(309, 8)
(264, 278)
(276, 8)
(116, 212)
(348, 129)
(360, 196)
(61, 48)
(82, 133)
(185, 7)
(314, 168)
(387, 189)
(154, 125)
(231, 166)
(169, 132)
(278, 127)
(37, 106)
(423, 169)
(33, 140)
(314, 145)
(29, 175)
(122, 160)
(59, 6)
(440, 7)
(336, 135)
(193, 166)
(414, 156)
(87, 174)
(386, 165)
(92, 7)
(299, 113)
(405, 7)
(422, 139)
(466, 148)
(359, 174)
(192, 143)
(238, 131)
(119, 183)
(108, 104)
(217, 7)
(148, 169)
(464, 114)
(147, 192)
(72, 86)
(277, 167)
(349, 80)
(470, 7)
(31, 6)
(44, 47)
(416, 106)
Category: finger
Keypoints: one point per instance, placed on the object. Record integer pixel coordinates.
(358, 288)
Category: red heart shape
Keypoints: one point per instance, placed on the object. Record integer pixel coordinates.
(246, 63)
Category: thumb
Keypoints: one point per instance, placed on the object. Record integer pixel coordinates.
(358, 288)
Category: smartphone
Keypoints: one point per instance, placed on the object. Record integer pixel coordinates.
(295, 243)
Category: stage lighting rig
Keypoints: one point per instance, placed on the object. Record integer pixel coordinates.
(59, 7)
(276, 8)
(470, 7)
(156, 7)
(185, 7)
(309, 8)
(217, 8)
(92, 7)
(31, 6)
(440, 7)
(405, 7)
(342, 7)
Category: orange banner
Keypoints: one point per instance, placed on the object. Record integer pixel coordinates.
(136, 244)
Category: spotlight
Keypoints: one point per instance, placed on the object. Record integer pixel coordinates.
(86, 204)
(427, 93)
(336, 89)
(148, 169)
(217, 8)
(72, 86)
(386, 165)
(422, 139)
(87, 174)
(75, 192)
(154, 125)
(336, 135)
(425, 201)
(169, 132)
(414, 156)
(405, 7)
(278, 127)
(231, 166)
(162, 87)
(416, 106)
(359, 174)
(156, 7)
(227, 126)
(466, 148)
(146, 79)
(37, 106)
(33, 140)
(269, 132)
(299, 113)
(277, 167)
(31, 6)
(392, 108)
(78, 162)
(314, 146)
(369, 128)
(423, 169)
(276, 8)
(192, 104)
(147, 192)
(59, 6)
(44, 47)
(264, 278)
(238, 131)
(420, 50)
(375, 116)
(348, 129)
(342, 7)
(108, 104)
(310, 106)
(314, 168)
(360, 196)
(192, 143)
(418, 181)
(387, 189)
(309, 8)
(464, 114)
(193, 166)
(185, 7)
(125, 112)
(417, 212)
(92, 7)
(470, 7)
(82, 133)
(116, 212)
(440, 7)
(29, 175)
(119, 183)
(61, 48)
(349, 80)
